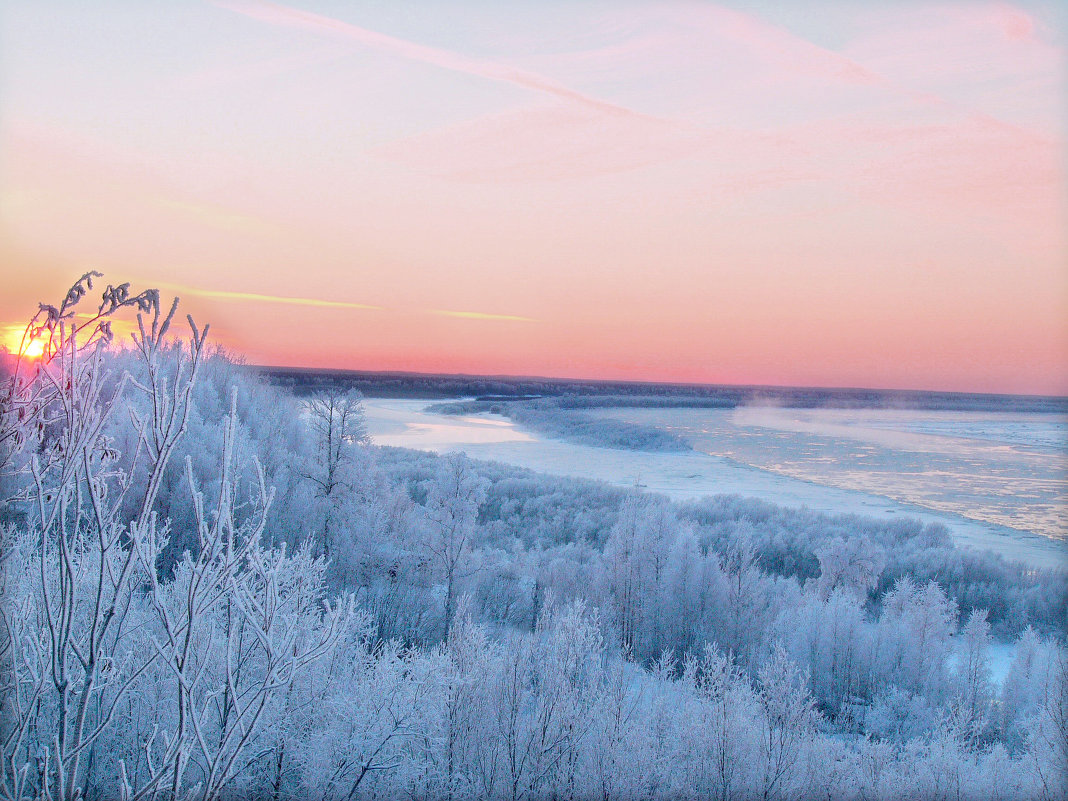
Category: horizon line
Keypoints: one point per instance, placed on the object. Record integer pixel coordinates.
(651, 382)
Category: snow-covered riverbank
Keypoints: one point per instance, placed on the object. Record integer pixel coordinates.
(405, 423)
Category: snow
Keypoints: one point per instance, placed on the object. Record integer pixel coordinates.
(999, 659)
(999, 656)
(793, 473)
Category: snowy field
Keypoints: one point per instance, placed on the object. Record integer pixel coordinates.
(996, 481)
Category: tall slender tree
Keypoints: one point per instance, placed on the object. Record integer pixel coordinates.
(337, 420)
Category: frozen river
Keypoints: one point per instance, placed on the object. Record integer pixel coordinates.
(997, 481)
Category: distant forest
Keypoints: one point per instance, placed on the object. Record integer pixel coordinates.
(304, 381)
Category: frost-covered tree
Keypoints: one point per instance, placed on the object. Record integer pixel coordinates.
(68, 671)
(832, 639)
(336, 418)
(1023, 689)
(1048, 746)
(650, 559)
(972, 705)
(853, 564)
(727, 699)
(787, 722)
(453, 499)
(90, 620)
(913, 642)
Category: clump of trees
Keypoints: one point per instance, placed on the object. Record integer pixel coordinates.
(212, 589)
(92, 626)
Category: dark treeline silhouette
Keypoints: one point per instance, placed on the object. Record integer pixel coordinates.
(586, 392)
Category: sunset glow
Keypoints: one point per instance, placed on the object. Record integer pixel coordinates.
(14, 342)
(816, 194)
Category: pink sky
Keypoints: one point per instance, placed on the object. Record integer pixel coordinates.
(861, 195)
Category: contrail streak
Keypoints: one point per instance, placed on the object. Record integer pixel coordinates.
(256, 297)
(470, 315)
(457, 62)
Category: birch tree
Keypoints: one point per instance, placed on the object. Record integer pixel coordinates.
(452, 504)
(337, 422)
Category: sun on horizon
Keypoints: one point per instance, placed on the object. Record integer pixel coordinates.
(16, 341)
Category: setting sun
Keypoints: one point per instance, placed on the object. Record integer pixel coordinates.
(13, 341)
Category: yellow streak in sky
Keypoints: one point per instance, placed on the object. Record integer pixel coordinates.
(258, 298)
(335, 304)
(470, 315)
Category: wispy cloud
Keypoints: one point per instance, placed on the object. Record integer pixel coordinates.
(446, 59)
(259, 298)
(471, 315)
(256, 297)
